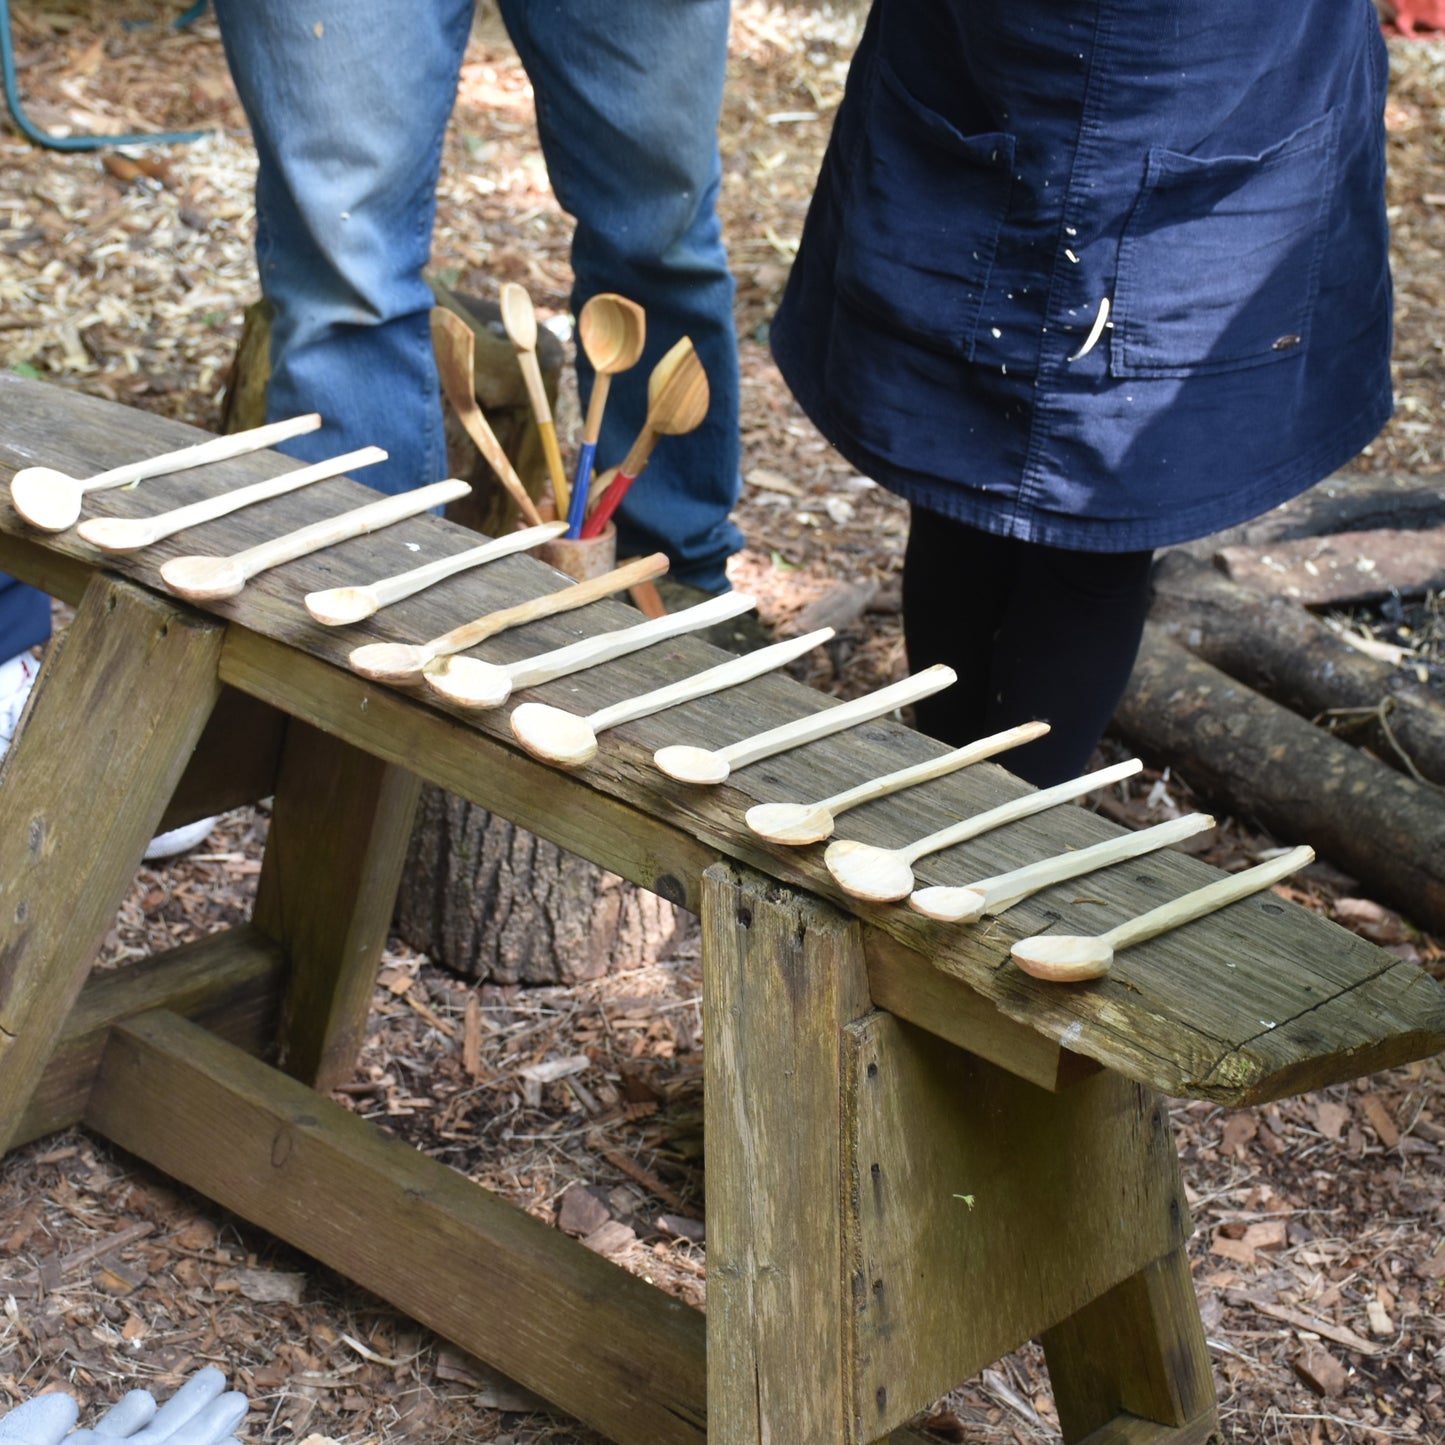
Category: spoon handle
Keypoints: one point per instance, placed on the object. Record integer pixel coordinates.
(581, 484)
(355, 523)
(1005, 889)
(834, 719)
(1212, 896)
(218, 449)
(407, 584)
(714, 679)
(1024, 807)
(974, 752)
(579, 594)
(480, 431)
(126, 534)
(547, 429)
(533, 671)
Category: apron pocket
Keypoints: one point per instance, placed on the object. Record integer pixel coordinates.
(1219, 262)
(921, 220)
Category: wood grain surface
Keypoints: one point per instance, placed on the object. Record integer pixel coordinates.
(1258, 1001)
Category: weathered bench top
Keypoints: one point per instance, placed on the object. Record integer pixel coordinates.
(1259, 1001)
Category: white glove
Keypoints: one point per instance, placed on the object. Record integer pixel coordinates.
(197, 1414)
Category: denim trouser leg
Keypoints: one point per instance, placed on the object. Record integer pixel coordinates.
(24, 618)
(348, 101)
(628, 100)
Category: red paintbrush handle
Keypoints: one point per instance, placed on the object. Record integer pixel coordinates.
(601, 514)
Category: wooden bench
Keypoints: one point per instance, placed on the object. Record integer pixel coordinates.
(917, 1157)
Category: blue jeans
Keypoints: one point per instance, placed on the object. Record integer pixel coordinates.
(349, 124)
(24, 618)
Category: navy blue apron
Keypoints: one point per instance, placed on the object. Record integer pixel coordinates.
(1105, 274)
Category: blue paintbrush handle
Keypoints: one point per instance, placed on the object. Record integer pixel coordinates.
(577, 512)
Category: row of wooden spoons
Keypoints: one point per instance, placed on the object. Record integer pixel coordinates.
(52, 500)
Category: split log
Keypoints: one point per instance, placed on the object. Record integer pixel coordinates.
(1345, 502)
(1279, 648)
(1248, 754)
(1344, 568)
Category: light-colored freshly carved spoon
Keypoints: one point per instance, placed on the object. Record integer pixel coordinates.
(993, 895)
(337, 606)
(613, 332)
(130, 534)
(883, 875)
(713, 765)
(563, 738)
(1070, 958)
(51, 500)
(206, 579)
(456, 365)
(520, 321)
(402, 662)
(797, 823)
(470, 682)
(677, 401)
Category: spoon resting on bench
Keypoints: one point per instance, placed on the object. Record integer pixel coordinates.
(401, 662)
(994, 895)
(470, 682)
(338, 606)
(130, 534)
(794, 824)
(712, 765)
(51, 499)
(557, 736)
(884, 875)
(208, 579)
(1070, 958)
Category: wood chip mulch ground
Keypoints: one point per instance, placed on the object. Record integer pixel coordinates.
(1319, 1250)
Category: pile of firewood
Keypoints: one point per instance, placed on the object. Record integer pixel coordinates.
(1321, 734)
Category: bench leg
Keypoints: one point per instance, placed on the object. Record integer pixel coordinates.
(1132, 1368)
(782, 975)
(339, 832)
(116, 712)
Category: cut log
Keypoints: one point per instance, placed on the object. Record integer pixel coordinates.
(1347, 567)
(492, 902)
(1346, 502)
(1277, 647)
(1242, 752)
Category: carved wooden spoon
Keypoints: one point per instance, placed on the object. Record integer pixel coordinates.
(520, 321)
(130, 534)
(712, 765)
(882, 875)
(797, 823)
(51, 500)
(402, 662)
(613, 332)
(456, 365)
(470, 682)
(561, 737)
(1066, 958)
(205, 579)
(994, 895)
(337, 606)
(677, 401)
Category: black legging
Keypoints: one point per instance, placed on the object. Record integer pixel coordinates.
(1033, 632)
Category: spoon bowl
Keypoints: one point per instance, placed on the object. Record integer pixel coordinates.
(389, 661)
(691, 764)
(881, 875)
(792, 824)
(553, 735)
(468, 681)
(204, 579)
(341, 606)
(46, 498)
(613, 332)
(1063, 957)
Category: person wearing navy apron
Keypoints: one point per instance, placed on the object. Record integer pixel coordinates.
(1079, 282)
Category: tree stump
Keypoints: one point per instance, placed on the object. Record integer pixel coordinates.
(479, 896)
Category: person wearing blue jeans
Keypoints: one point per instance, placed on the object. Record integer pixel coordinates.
(349, 100)
(24, 623)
